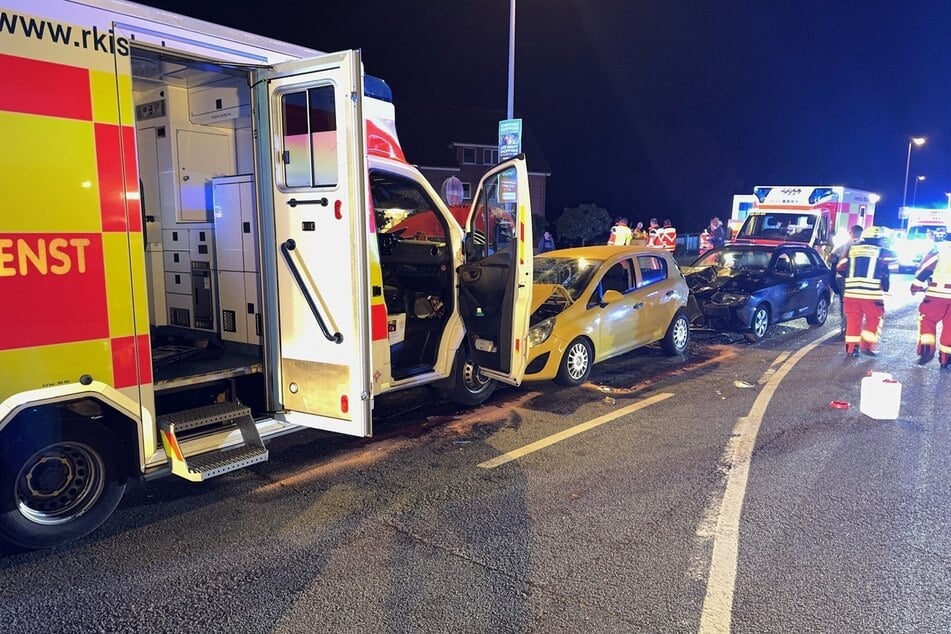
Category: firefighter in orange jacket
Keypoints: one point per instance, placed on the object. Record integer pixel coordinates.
(865, 269)
(934, 277)
(668, 237)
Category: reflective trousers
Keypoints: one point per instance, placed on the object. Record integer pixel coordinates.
(863, 322)
(931, 311)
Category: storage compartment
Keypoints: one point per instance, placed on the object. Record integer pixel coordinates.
(219, 103)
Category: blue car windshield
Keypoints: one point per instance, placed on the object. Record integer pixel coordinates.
(732, 260)
(572, 273)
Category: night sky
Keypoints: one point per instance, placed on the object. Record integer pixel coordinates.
(666, 108)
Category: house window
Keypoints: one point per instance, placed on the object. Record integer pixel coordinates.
(490, 157)
(468, 156)
(467, 191)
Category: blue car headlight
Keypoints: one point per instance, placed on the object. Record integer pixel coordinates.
(731, 299)
(540, 332)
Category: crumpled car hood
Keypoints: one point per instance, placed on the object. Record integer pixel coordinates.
(543, 292)
(706, 278)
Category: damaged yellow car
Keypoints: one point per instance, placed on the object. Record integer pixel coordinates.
(593, 303)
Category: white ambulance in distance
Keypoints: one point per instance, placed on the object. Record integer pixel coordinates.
(204, 243)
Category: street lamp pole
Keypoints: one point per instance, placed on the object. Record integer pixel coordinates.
(914, 197)
(917, 140)
(511, 101)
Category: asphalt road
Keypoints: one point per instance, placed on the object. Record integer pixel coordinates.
(734, 497)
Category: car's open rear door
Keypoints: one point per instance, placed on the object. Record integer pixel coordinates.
(495, 283)
(312, 163)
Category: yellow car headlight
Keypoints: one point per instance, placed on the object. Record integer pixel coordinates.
(540, 332)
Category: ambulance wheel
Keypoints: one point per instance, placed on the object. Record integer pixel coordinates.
(759, 325)
(469, 386)
(576, 363)
(822, 312)
(674, 343)
(59, 481)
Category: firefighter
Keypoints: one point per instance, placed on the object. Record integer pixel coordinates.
(855, 237)
(865, 269)
(934, 277)
(640, 233)
(668, 237)
(620, 233)
(653, 234)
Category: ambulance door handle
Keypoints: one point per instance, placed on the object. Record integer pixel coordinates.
(293, 202)
(286, 248)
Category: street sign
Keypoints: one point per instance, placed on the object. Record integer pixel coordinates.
(510, 139)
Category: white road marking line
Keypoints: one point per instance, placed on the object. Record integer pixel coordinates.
(721, 582)
(572, 431)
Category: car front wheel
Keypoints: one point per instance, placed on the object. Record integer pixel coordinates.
(759, 325)
(674, 343)
(576, 363)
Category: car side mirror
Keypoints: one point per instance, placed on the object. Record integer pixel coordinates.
(611, 296)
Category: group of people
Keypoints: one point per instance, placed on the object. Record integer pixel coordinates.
(655, 235)
(862, 265)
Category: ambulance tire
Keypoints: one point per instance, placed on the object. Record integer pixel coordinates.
(467, 387)
(80, 467)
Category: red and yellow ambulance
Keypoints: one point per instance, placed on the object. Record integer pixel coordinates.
(198, 252)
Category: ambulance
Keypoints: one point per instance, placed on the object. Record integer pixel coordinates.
(913, 243)
(200, 250)
(816, 215)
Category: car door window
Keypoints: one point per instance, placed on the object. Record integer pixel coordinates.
(618, 278)
(652, 268)
(803, 265)
(783, 264)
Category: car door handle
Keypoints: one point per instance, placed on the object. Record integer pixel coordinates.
(638, 305)
(669, 293)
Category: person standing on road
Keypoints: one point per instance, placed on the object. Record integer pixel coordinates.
(547, 243)
(620, 233)
(653, 234)
(639, 232)
(855, 237)
(716, 233)
(668, 237)
(865, 268)
(934, 277)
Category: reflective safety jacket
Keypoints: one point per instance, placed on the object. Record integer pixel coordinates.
(865, 269)
(934, 274)
(668, 238)
(620, 235)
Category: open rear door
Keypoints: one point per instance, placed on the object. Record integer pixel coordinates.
(495, 283)
(312, 162)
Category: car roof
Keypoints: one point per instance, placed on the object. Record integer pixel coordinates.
(602, 252)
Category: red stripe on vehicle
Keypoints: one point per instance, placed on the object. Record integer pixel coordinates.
(378, 329)
(43, 88)
(111, 190)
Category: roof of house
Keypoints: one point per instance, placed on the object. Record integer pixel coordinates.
(430, 133)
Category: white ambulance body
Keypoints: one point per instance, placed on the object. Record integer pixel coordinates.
(911, 244)
(209, 238)
(816, 215)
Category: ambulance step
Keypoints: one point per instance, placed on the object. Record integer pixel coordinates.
(221, 418)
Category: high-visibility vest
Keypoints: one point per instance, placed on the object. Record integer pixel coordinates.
(620, 235)
(866, 272)
(668, 238)
(653, 238)
(936, 265)
(705, 243)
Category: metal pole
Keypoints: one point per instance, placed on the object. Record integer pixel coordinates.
(511, 100)
(914, 198)
(904, 198)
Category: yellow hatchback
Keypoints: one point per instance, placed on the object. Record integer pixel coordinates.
(593, 303)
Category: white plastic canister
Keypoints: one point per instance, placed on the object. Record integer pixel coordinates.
(880, 396)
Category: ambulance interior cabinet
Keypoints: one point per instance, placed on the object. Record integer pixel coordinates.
(239, 297)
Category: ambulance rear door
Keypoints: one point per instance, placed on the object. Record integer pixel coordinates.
(495, 283)
(312, 160)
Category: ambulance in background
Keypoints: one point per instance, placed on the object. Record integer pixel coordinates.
(197, 255)
(818, 216)
(912, 243)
